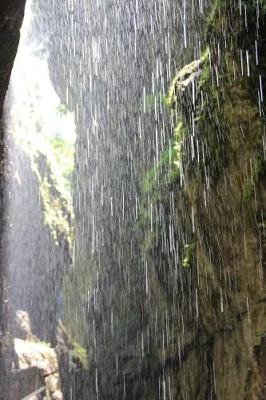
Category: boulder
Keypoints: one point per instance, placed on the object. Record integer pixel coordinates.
(23, 325)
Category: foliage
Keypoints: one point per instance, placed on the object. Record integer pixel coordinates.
(64, 154)
(169, 163)
(157, 184)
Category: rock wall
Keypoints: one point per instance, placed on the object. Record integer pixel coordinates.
(36, 364)
(11, 15)
(39, 248)
(220, 98)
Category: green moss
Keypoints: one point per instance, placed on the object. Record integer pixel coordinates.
(81, 354)
(157, 184)
(157, 98)
(251, 182)
(205, 107)
(189, 251)
(205, 77)
(64, 154)
(215, 11)
(169, 163)
(54, 215)
(52, 162)
(57, 211)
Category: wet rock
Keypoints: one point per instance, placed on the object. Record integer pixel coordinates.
(43, 251)
(72, 363)
(57, 395)
(22, 382)
(224, 180)
(36, 354)
(22, 325)
(11, 15)
(52, 382)
(186, 77)
(41, 356)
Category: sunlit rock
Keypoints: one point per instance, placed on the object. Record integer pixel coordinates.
(40, 355)
(187, 76)
(22, 325)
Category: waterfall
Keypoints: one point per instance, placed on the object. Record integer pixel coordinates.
(136, 234)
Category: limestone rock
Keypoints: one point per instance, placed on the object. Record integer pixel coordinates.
(42, 356)
(188, 74)
(57, 395)
(23, 325)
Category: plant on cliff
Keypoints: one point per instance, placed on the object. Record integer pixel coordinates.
(157, 183)
(64, 154)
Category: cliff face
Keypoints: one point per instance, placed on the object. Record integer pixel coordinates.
(39, 248)
(11, 15)
(220, 98)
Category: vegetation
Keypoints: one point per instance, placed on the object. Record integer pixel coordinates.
(189, 251)
(157, 183)
(168, 168)
(52, 160)
(64, 154)
(251, 182)
(80, 353)
(152, 99)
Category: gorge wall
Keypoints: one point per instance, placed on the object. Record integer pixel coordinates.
(11, 15)
(39, 238)
(222, 131)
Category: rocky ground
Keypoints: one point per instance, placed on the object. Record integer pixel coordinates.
(35, 358)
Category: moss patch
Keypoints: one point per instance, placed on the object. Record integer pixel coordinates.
(81, 354)
(57, 211)
(157, 184)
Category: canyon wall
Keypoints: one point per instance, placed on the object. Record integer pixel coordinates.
(11, 16)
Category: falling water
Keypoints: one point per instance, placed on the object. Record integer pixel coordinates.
(123, 201)
(38, 124)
